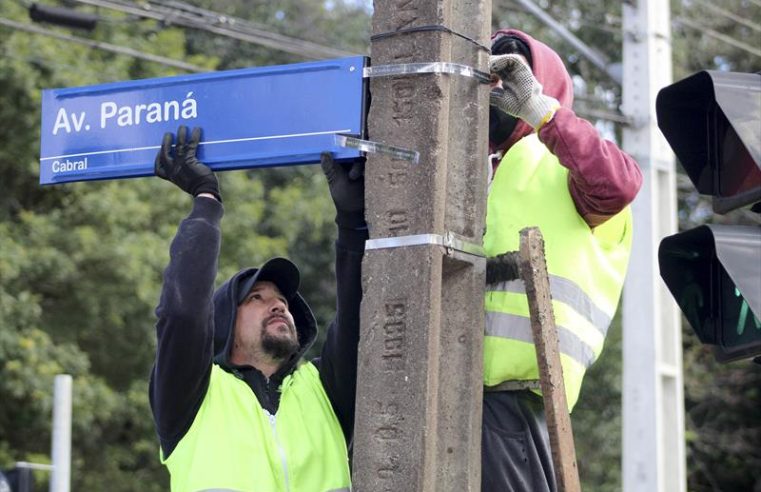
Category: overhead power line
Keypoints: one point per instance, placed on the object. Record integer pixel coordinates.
(595, 57)
(717, 35)
(180, 14)
(598, 114)
(593, 107)
(170, 62)
(730, 15)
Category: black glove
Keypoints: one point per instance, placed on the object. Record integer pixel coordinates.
(347, 188)
(185, 170)
(502, 268)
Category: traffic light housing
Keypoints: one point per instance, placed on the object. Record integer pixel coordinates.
(712, 121)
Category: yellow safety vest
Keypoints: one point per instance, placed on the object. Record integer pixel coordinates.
(586, 268)
(236, 445)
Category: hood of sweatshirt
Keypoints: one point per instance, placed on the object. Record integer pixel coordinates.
(227, 298)
(549, 70)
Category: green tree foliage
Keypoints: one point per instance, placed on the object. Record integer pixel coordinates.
(334, 24)
(722, 419)
(597, 421)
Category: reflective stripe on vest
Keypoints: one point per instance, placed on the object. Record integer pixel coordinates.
(517, 327)
(586, 268)
(235, 445)
(568, 292)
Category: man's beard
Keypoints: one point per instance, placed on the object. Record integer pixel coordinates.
(278, 347)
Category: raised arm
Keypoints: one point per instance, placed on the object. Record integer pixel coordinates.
(603, 179)
(338, 361)
(184, 329)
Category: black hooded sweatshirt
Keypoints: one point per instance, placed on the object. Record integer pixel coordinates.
(189, 313)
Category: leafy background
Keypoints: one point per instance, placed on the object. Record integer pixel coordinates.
(80, 264)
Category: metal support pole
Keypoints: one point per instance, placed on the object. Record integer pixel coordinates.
(419, 390)
(653, 401)
(60, 480)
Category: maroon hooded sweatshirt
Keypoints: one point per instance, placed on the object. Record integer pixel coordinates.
(516, 453)
(603, 179)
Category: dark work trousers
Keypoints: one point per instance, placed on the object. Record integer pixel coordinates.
(515, 446)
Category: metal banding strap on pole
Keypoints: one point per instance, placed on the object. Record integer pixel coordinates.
(378, 148)
(426, 67)
(407, 69)
(448, 240)
(427, 28)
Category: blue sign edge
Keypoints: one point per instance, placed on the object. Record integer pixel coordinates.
(232, 73)
(306, 159)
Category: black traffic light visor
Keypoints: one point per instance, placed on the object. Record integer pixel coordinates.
(712, 121)
(714, 274)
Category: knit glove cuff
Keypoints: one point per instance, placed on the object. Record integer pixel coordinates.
(538, 110)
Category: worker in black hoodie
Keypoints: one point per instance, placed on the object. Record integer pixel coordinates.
(236, 406)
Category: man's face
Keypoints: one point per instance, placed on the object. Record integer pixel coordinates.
(264, 324)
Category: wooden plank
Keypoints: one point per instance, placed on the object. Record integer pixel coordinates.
(534, 273)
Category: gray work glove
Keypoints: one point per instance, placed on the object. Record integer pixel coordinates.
(521, 94)
(347, 188)
(184, 169)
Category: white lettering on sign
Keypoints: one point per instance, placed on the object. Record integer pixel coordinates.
(65, 121)
(123, 116)
(68, 166)
(148, 113)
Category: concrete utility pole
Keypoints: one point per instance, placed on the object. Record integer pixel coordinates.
(653, 400)
(419, 395)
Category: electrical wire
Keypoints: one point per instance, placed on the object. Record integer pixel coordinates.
(220, 24)
(37, 60)
(253, 27)
(597, 114)
(717, 35)
(595, 57)
(729, 15)
(170, 62)
(185, 15)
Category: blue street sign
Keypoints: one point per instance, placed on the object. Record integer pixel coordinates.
(264, 116)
